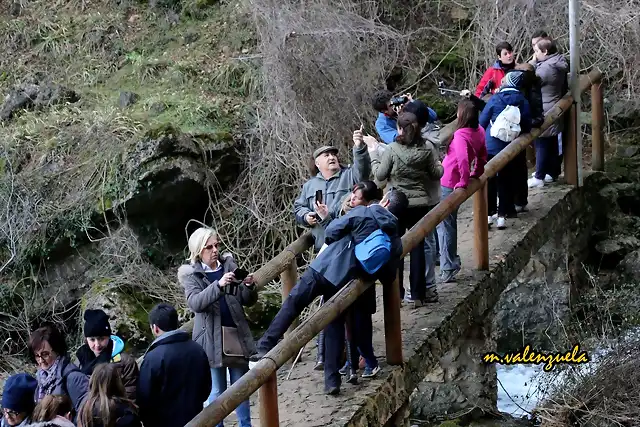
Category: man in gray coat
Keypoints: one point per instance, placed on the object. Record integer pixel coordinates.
(335, 181)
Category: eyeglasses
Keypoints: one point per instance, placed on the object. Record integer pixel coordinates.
(10, 413)
(43, 355)
(209, 247)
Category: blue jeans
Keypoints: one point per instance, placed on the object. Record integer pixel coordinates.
(448, 236)
(430, 254)
(219, 381)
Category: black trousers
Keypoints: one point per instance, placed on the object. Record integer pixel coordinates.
(503, 185)
(520, 197)
(418, 262)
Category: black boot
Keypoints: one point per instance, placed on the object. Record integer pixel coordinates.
(320, 355)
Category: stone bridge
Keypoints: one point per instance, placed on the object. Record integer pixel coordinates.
(443, 343)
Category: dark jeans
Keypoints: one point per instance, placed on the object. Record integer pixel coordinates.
(521, 187)
(311, 285)
(547, 157)
(418, 262)
(503, 185)
(361, 338)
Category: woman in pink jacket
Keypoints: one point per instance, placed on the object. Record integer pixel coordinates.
(465, 159)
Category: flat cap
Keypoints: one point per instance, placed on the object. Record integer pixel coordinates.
(324, 149)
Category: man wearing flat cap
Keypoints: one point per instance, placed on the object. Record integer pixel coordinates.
(335, 181)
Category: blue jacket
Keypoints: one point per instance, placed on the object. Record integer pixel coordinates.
(497, 103)
(387, 127)
(174, 381)
(338, 263)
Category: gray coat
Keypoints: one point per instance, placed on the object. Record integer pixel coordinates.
(202, 298)
(333, 190)
(553, 75)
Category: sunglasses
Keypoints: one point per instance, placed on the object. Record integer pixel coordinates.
(209, 247)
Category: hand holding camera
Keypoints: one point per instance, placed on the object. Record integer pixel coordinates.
(226, 279)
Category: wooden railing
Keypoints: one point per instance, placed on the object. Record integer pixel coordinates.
(263, 375)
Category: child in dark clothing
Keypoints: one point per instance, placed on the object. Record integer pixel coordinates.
(333, 269)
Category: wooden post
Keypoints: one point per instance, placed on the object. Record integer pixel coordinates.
(481, 228)
(268, 393)
(570, 149)
(392, 325)
(597, 127)
(289, 277)
(268, 398)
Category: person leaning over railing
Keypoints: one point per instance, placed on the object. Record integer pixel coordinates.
(359, 324)
(334, 181)
(411, 165)
(337, 265)
(216, 296)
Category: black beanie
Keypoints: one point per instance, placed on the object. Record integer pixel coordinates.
(96, 324)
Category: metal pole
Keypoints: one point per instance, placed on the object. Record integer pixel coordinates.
(574, 43)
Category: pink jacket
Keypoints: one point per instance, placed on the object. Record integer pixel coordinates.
(466, 157)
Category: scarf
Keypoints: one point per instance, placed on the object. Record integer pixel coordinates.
(48, 379)
(88, 360)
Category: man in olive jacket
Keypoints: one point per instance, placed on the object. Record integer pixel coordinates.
(335, 181)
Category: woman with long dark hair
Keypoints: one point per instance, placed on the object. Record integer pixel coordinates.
(411, 165)
(107, 404)
(465, 159)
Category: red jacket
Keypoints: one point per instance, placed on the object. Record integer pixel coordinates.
(491, 79)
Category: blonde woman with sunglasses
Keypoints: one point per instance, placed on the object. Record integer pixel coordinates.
(216, 292)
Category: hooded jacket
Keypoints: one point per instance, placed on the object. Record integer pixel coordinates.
(552, 72)
(466, 157)
(412, 169)
(497, 103)
(175, 380)
(338, 263)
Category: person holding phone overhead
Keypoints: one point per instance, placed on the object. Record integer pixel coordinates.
(319, 201)
(216, 290)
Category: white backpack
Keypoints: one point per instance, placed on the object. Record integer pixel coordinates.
(507, 125)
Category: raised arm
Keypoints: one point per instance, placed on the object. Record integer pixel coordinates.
(382, 164)
(361, 164)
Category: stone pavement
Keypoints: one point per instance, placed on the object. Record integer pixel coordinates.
(427, 331)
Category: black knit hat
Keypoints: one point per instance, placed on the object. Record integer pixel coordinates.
(96, 324)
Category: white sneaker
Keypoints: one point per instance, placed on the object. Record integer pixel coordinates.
(547, 178)
(535, 183)
(520, 209)
(492, 219)
(501, 223)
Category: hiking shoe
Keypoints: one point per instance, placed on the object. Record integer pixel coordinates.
(353, 378)
(521, 209)
(501, 223)
(535, 183)
(259, 354)
(344, 370)
(430, 296)
(332, 391)
(370, 372)
(449, 276)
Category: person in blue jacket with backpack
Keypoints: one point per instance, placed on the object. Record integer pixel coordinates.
(503, 185)
(363, 243)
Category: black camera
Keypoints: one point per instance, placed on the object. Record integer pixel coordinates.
(399, 100)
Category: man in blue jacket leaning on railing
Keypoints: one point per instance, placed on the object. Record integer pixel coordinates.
(364, 243)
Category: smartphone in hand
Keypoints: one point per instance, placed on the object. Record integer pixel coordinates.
(319, 196)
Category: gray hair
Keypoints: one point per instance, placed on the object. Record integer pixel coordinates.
(198, 240)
